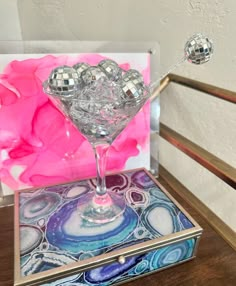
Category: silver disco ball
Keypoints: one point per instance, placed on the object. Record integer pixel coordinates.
(132, 93)
(62, 82)
(111, 69)
(80, 67)
(198, 49)
(134, 76)
(92, 74)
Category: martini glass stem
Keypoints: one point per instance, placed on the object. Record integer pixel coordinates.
(101, 151)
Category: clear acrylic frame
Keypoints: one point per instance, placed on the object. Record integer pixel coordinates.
(71, 47)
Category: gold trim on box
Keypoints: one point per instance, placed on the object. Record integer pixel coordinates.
(81, 266)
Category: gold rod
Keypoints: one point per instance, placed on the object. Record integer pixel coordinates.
(163, 84)
(215, 165)
(216, 223)
(221, 93)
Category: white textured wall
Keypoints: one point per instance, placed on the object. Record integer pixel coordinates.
(208, 121)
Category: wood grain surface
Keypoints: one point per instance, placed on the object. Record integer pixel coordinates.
(215, 264)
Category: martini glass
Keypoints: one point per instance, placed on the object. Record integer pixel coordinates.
(100, 112)
(100, 109)
(101, 115)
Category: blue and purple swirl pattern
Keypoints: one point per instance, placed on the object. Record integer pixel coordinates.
(53, 234)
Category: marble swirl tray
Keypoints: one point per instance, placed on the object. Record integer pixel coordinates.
(54, 246)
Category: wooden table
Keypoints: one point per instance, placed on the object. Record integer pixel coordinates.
(215, 264)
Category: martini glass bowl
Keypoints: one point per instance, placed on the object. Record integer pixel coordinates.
(100, 111)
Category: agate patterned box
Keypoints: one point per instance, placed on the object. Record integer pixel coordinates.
(54, 246)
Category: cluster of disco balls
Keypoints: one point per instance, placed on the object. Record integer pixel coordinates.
(67, 83)
(100, 100)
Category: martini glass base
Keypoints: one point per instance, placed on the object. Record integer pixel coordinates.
(101, 208)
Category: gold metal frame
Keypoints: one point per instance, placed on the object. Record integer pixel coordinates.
(74, 268)
(213, 220)
(209, 161)
(215, 165)
(212, 90)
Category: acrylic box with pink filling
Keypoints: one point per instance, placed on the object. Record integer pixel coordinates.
(38, 146)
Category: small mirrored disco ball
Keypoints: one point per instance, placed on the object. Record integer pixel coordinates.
(63, 82)
(80, 67)
(198, 49)
(132, 93)
(111, 69)
(92, 74)
(134, 76)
